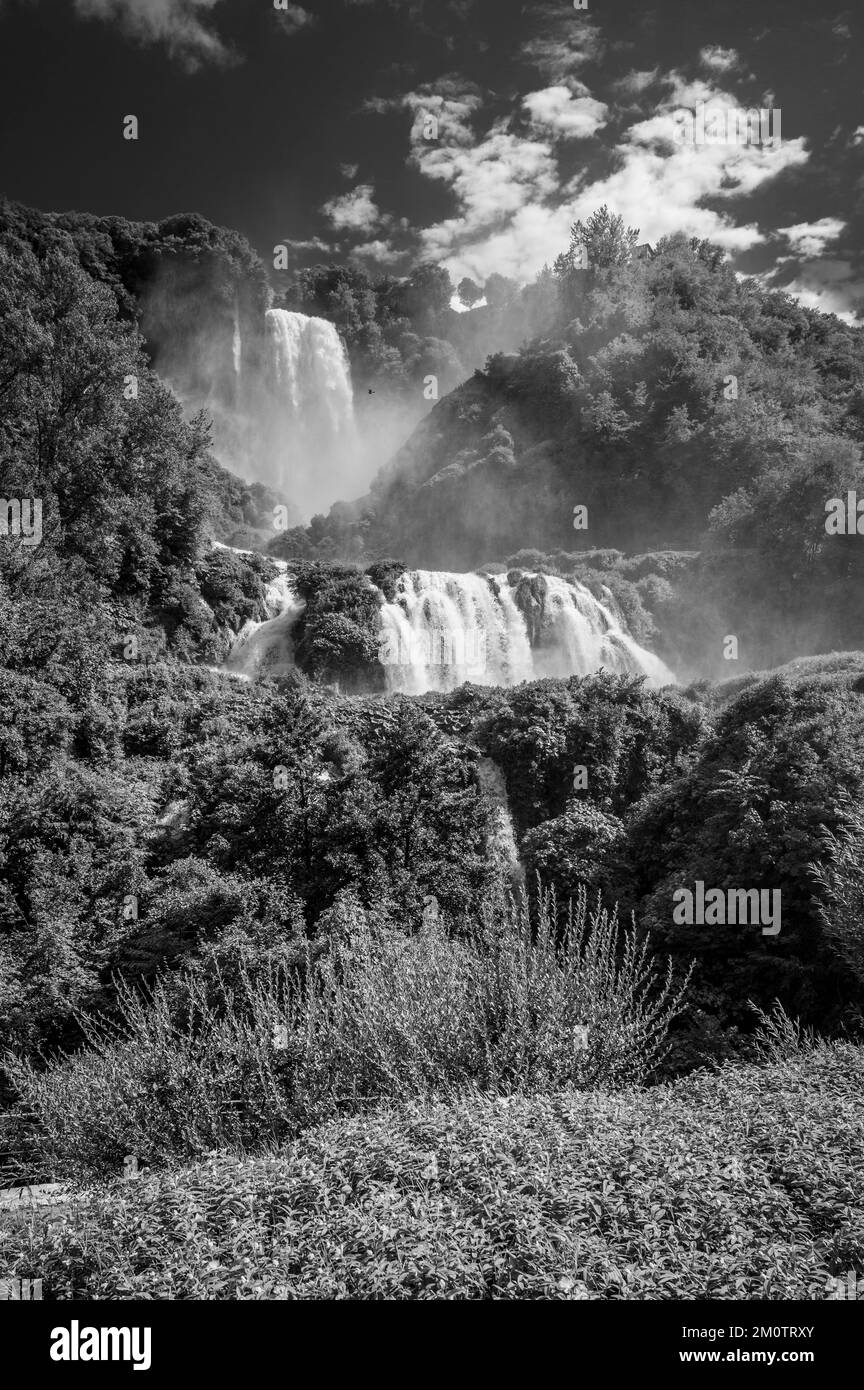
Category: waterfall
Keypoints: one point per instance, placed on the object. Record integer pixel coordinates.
(503, 832)
(266, 648)
(237, 342)
(443, 629)
(310, 370)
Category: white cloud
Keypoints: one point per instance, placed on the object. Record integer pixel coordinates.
(492, 179)
(382, 251)
(557, 110)
(635, 82)
(452, 104)
(178, 24)
(809, 239)
(314, 243)
(858, 135)
(293, 18)
(513, 214)
(564, 43)
(832, 287)
(719, 59)
(355, 211)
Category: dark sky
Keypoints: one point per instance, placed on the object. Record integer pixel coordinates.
(306, 125)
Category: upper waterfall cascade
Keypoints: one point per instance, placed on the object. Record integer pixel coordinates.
(236, 341)
(443, 629)
(311, 372)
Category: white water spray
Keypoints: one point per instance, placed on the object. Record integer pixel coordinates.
(237, 341)
(444, 629)
(438, 617)
(311, 372)
(266, 648)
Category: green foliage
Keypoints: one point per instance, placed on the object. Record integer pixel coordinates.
(385, 574)
(605, 239)
(337, 635)
(768, 800)
(574, 850)
(630, 739)
(382, 1015)
(233, 586)
(735, 1186)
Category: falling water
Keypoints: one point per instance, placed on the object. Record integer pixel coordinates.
(444, 629)
(311, 373)
(266, 648)
(237, 342)
(581, 634)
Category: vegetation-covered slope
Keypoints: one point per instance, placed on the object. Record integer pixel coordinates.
(684, 409)
(742, 1185)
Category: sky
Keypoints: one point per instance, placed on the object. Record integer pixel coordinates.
(314, 126)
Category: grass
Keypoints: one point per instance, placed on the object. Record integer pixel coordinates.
(742, 1184)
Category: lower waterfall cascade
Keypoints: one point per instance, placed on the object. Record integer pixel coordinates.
(443, 629)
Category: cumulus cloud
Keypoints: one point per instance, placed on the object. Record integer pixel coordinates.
(292, 18)
(634, 83)
(719, 59)
(565, 115)
(564, 42)
(809, 239)
(315, 243)
(356, 211)
(452, 104)
(382, 251)
(831, 286)
(493, 178)
(514, 209)
(181, 25)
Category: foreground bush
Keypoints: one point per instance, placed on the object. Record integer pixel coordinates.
(739, 1185)
(382, 1016)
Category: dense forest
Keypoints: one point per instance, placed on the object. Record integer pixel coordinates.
(167, 824)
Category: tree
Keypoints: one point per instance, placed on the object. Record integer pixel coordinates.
(499, 290)
(426, 297)
(469, 292)
(605, 239)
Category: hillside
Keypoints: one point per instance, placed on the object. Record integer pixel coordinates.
(683, 410)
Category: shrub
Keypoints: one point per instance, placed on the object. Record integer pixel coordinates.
(731, 1186)
(384, 1016)
(574, 850)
